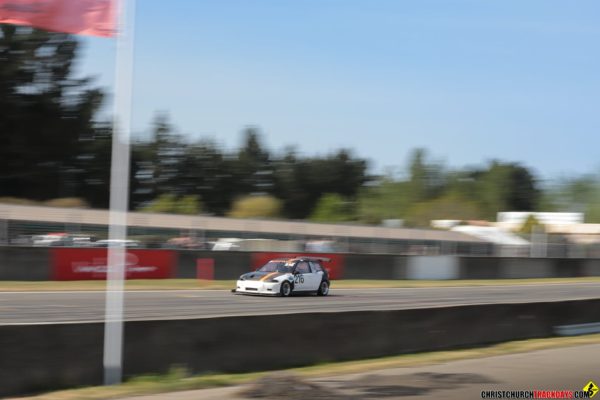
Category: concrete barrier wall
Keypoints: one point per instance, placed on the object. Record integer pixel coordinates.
(526, 268)
(34, 264)
(568, 267)
(227, 265)
(43, 357)
(369, 266)
(24, 264)
(519, 267)
(433, 267)
(480, 267)
(590, 267)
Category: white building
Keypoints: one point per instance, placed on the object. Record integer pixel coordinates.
(514, 220)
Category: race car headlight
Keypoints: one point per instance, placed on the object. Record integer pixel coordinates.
(242, 278)
(274, 281)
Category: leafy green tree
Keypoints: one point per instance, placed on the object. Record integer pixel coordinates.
(207, 173)
(576, 194)
(94, 164)
(165, 203)
(531, 225)
(253, 167)
(18, 201)
(506, 187)
(300, 183)
(262, 206)
(46, 112)
(332, 207)
(524, 193)
(158, 162)
(592, 209)
(384, 199)
(188, 204)
(171, 204)
(430, 192)
(67, 202)
(448, 206)
(426, 179)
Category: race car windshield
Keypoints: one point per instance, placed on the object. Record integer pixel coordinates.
(275, 266)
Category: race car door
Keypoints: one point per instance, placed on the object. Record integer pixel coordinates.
(318, 271)
(305, 279)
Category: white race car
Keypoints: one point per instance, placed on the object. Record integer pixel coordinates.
(282, 277)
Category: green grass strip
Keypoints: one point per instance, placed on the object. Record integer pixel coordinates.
(192, 284)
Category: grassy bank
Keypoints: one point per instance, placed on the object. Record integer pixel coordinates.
(192, 284)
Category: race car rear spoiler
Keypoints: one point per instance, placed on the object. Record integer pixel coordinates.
(324, 259)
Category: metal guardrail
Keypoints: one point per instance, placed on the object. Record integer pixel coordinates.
(18, 223)
(207, 223)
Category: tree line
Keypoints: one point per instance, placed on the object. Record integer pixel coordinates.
(54, 146)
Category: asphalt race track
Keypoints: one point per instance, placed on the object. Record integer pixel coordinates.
(45, 307)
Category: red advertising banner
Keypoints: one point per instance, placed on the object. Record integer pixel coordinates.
(335, 268)
(205, 268)
(71, 264)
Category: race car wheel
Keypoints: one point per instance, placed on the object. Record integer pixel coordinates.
(323, 289)
(286, 289)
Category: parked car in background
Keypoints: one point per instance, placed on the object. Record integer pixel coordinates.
(186, 242)
(62, 239)
(117, 243)
(47, 239)
(226, 244)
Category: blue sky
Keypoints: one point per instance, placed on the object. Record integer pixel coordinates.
(468, 80)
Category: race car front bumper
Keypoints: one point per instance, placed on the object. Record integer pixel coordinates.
(257, 287)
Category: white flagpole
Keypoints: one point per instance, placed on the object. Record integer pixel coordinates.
(119, 194)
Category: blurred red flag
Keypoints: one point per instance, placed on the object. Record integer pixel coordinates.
(84, 17)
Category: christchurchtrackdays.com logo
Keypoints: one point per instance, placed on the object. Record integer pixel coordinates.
(588, 391)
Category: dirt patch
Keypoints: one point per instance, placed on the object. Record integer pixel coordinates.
(371, 386)
(287, 386)
(374, 386)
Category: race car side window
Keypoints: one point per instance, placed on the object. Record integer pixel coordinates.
(302, 267)
(315, 266)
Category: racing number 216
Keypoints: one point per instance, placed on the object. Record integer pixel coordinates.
(299, 279)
